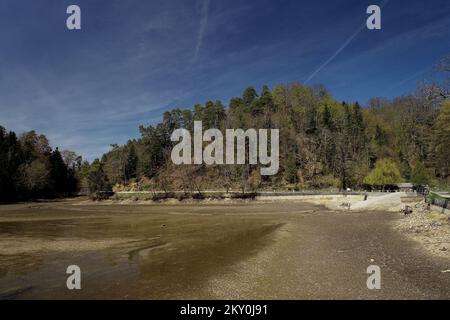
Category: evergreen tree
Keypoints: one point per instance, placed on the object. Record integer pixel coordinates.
(58, 172)
(131, 163)
(97, 179)
(249, 97)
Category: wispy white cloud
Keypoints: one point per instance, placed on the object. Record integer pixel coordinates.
(202, 29)
(89, 89)
(415, 76)
(340, 49)
(334, 55)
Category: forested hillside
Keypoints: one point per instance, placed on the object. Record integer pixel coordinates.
(324, 143)
(30, 169)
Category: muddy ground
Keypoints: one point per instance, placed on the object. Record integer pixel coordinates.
(277, 250)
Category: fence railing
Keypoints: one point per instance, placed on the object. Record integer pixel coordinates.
(435, 200)
(443, 203)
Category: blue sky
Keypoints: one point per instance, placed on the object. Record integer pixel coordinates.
(133, 59)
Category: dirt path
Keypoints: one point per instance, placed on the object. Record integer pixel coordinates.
(242, 251)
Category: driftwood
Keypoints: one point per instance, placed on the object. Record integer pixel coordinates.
(346, 205)
(407, 210)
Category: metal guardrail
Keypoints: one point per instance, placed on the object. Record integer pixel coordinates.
(437, 200)
(442, 203)
(265, 193)
(284, 193)
(307, 193)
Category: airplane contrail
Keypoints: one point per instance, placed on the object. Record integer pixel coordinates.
(342, 47)
(203, 23)
(346, 43)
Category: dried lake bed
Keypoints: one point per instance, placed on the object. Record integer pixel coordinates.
(253, 250)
